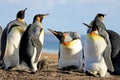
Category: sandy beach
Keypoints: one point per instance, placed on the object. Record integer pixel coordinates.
(50, 72)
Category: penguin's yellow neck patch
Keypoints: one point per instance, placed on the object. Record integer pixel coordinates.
(66, 43)
(20, 20)
(94, 35)
(21, 29)
(69, 43)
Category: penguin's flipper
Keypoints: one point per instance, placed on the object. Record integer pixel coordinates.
(59, 53)
(37, 44)
(107, 51)
(107, 58)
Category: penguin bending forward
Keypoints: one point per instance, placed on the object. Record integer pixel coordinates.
(94, 48)
(10, 40)
(31, 45)
(115, 54)
(70, 50)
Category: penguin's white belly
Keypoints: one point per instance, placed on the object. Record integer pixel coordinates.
(93, 50)
(11, 57)
(33, 60)
(70, 55)
(41, 38)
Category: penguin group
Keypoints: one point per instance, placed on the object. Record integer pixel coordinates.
(21, 47)
(21, 44)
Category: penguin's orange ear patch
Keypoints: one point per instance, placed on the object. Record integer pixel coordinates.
(38, 18)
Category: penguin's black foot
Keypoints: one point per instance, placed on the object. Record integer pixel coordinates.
(72, 67)
(43, 63)
(32, 72)
(90, 73)
(2, 66)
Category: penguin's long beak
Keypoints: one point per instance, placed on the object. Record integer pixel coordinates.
(44, 15)
(25, 9)
(58, 34)
(87, 25)
(54, 32)
(90, 28)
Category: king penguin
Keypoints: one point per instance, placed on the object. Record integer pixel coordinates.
(98, 22)
(70, 50)
(10, 40)
(94, 48)
(115, 43)
(31, 45)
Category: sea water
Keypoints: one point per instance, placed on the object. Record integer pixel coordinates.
(51, 43)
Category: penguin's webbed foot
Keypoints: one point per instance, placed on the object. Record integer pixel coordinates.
(72, 67)
(2, 66)
(32, 72)
(107, 74)
(90, 73)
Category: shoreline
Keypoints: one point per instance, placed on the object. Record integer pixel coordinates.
(53, 56)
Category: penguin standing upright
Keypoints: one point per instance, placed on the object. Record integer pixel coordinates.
(97, 22)
(70, 50)
(94, 48)
(10, 40)
(31, 45)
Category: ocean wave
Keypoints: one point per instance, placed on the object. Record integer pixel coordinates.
(49, 51)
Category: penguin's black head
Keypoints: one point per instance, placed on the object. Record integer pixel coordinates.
(60, 35)
(94, 28)
(101, 16)
(21, 14)
(39, 17)
(90, 29)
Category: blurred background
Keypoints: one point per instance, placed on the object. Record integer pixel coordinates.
(65, 15)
